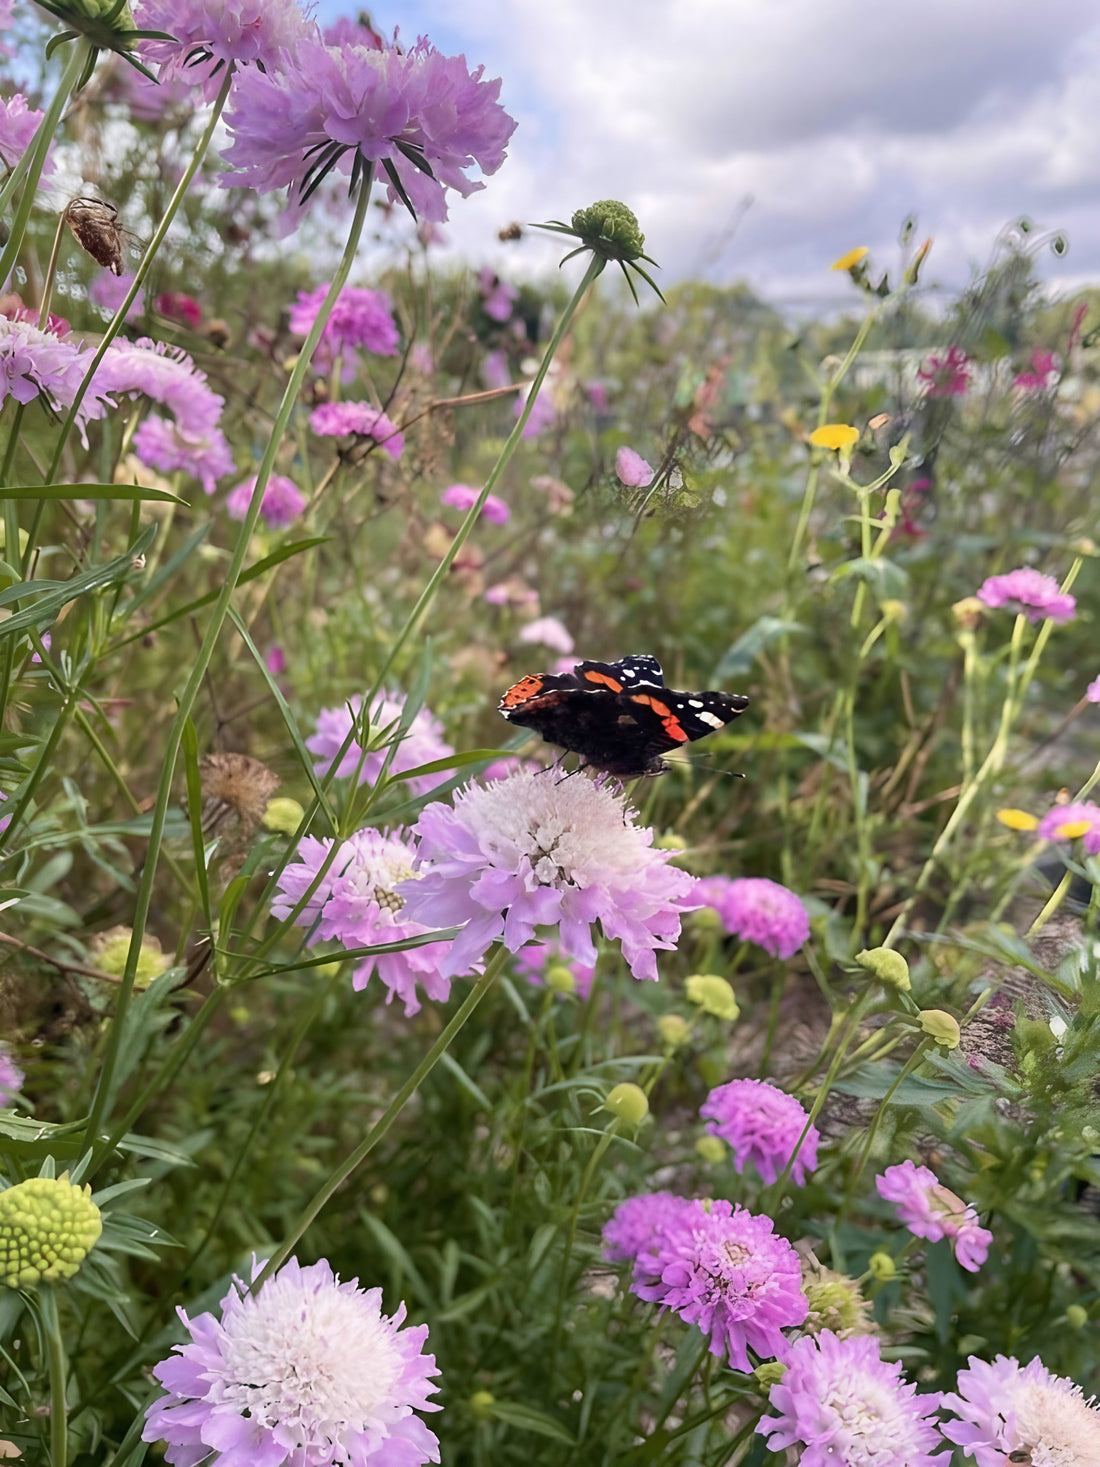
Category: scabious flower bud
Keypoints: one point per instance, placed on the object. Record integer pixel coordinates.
(48, 1226)
(835, 1302)
(560, 978)
(942, 1026)
(711, 1149)
(674, 1030)
(882, 1267)
(1077, 1316)
(610, 229)
(481, 1404)
(887, 966)
(770, 1373)
(713, 995)
(109, 952)
(627, 1102)
(283, 815)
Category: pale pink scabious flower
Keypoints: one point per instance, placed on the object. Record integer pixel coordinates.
(632, 469)
(307, 1371)
(357, 905)
(597, 397)
(464, 497)
(359, 318)
(282, 503)
(638, 1222)
(1029, 591)
(762, 1124)
(1007, 1408)
(1067, 822)
(543, 414)
(494, 370)
(211, 35)
(108, 291)
(333, 107)
(757, 910)
(1043, 372)
(932, 1211)
(947, 376)
(842, 1403)
(531, 851)
(337, 419)
(722, 1268)
(531, 962)
(18, 125)
(193, 440)
(11, 1077)
(1092, 692)
(498, 298)
(34, 362)
(5, 820)
(547, 631)
(423, 742)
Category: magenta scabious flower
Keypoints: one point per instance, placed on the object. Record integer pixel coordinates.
(211, 35)
(757, 910)
(632, 469)
(357, 905)
(11, 1077)
(336, 419)
(178, 306)
(192, 441)
(637, 1223)
(1005, 1408)
(762, 1124)
(947, 376)
(529, 852)
(1042, 373)
(842, 1403)
(1029, 591)
(724, 1269)
(282, 503)
(108, 291)
(531, 964)
(423, 743)
(307, 1371)
(18, 125)
(464, 497)
(334, 106)
(34, 362)
(1067, 822)
(498, 298)
(547, 631)
(360, 318)
(932, 1211)
(1092, 692)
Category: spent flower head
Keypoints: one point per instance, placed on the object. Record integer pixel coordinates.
(1008, 1412)
(931, 1211)
(762, 1124)
(48, 1226)
(610, 231)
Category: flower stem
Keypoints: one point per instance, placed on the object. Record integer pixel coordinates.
(342, 1172)
(55, 1356)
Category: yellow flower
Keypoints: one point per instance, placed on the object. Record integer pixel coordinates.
(853, 257)
(1073, 828)
(834, 435)
(1017, 819)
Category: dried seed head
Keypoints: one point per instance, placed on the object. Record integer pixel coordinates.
(235, 787)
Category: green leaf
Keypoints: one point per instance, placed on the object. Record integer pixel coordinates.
(90, 580)
(90, 491)
(527, 1418)
(737, 660)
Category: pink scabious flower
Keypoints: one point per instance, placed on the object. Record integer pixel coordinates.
(345, 106)
(638, 1222)
(494, 370)
(275, 661)
(762, 1124)
(532, 960)
(306, 1371)
(632, 469)
(34, 362)
(1045, 367)
(1029, 591)
(543, 414)
(1006, 1408)
(423, 742)
(211, 35)
(5, 820)
(18, 125)
(192, 441)
(108, 291)
(464, 497)
(757, 910)
(547, 631)
(336, 419)
(357, 905)
(723, 1268)
(1067, 822)
(530, 852)
(842, 1403)
(1092, 692)
(597, 397)
(282, 503)
(178, 306)
(947, 376)
(931, 1211)
(497, 297)
(11, 1077)
(360, 318)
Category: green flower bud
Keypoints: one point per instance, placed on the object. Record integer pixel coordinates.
(712, 1149)
(47, 1228)
(283, 815)
(628, 1103)
(706, 922)
(1077, 1316)
(835, 1301)
(560, 978)
(674, 1030)
(610, 229)
(770, 1373)
(882, 1267)
(713, 995)
(887, 966)
(943, 1028)
(109, 952)
(481, 1404)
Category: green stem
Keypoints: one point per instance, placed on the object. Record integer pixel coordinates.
(344, 1170)
(907, 1068)
(55, 1356)
(594, 1160)
(191, 689)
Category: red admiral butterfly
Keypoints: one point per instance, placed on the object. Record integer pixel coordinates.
(618, 716)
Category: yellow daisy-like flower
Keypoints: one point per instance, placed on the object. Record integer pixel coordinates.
(1017, 819)
(1072, 829)
(834, 435)
(853, 257)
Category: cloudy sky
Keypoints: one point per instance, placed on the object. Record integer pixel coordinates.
(760, 139)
